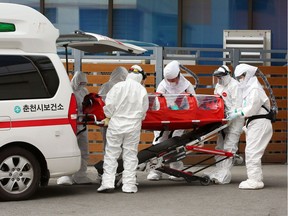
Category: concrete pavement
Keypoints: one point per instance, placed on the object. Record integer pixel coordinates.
(164, 197)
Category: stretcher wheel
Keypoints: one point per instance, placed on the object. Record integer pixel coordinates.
(205, 180)
(238, 160)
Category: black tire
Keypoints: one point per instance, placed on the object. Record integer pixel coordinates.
(205, 180)
(19, 174)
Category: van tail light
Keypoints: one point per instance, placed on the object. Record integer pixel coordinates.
(72, 113)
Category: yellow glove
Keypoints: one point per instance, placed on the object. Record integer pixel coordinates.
(106, 121)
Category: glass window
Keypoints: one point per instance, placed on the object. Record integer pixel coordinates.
(51, 13)
(200, 27)
(27, 77)
(31, 3)
(144, 21)
(94, 20)
(85, 15)
(205, 20)
(272, 15)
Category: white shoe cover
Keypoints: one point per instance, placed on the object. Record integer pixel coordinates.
(154, 175)
(220, 176)
(129, 188)
(65, 180)
(250, 184)
(105, 189)
(174, 178)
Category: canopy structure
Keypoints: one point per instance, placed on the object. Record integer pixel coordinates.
(96, 43)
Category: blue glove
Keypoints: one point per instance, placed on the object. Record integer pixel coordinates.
(233, 116)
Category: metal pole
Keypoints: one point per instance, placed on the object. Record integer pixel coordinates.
(250, 14)
(236, 57)
(77, 60)
(42, 7)
(159, 64)
(180, 18)
(110, 18)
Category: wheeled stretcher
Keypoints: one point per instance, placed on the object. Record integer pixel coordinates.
(202, 114)
(177, 148)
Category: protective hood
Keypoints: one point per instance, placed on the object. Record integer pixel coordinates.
(182, 85)
(245, 68)
(171, 70)
(250, 81)
(118, 74)
(78, 81)
(135, 76)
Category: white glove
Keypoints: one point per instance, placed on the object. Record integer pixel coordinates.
(244, 129)
(233, 114)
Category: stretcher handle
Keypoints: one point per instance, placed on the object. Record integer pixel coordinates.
(95, 121)
(195, 77)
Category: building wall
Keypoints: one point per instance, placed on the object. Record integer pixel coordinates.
(157, 21)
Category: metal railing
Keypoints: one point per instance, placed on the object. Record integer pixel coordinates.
(159, 56)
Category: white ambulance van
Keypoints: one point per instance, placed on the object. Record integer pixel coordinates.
(38, 110)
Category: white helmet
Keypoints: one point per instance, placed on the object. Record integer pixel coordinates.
(138, 69)
(222, 71)
(171, 70)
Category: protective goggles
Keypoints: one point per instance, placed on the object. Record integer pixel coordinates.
(218, 73)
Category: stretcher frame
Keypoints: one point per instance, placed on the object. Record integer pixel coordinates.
(159, 156)
(160, 160)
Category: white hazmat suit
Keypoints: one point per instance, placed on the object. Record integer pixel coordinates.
(118, 74)
(228, 139)
(259, 131)
(126, 106)
(173, 83)
(78, 83)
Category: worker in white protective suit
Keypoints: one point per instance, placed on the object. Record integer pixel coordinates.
(78, 83)
(126, 106)
(173, 83)
(228, 88)
(118, 74)
(258, 128)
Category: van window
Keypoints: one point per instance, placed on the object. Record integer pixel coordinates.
(27, 77)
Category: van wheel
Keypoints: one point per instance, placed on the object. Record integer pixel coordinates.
(19, 174)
